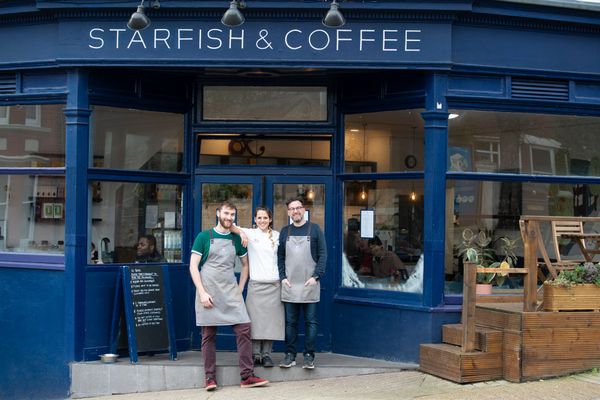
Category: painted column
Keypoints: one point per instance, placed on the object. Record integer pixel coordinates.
(77, 115)
(436, 142)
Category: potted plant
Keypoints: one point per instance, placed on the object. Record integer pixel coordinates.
(576, 289)
(476, 248)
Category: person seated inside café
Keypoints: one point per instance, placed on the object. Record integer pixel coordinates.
(146, 250)
(386, 264)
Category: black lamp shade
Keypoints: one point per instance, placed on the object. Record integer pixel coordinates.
(138, 20)
(334, 18)
(233, 16)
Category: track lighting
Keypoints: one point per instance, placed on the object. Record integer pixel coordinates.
(139, 20)
(233, 16)
(334, 17)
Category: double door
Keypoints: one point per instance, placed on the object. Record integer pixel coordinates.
(249, 192)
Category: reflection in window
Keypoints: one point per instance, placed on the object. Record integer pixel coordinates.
(385, 141)
(34, 136)
(32, 214)
(495, 208)
(136, 139)
(123, 212)
(524, 143)
(383, 251)
(258, 150)
(264, 103)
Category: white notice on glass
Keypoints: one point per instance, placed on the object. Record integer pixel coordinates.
(367, 221)
(151, 216)
(169, 219)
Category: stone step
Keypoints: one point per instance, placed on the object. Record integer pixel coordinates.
(159, 373)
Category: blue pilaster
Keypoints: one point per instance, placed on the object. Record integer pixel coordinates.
(436, 142)
(77, 115)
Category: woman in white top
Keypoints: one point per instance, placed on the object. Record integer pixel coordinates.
(264, 293)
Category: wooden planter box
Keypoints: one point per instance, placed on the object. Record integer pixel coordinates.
(578, 297)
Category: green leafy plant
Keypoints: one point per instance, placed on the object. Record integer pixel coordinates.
(583, 273)
(477, 248)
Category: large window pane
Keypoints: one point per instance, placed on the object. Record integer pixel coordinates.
(214, 194)
(32, 136)
(493, 209)
(389, 257)
(260, 150)
(32, 214)
(525, 143)
(384, 141)
(264, 103)
(122, 212)
(136, 139)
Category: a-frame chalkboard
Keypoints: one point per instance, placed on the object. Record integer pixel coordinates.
(144, 293)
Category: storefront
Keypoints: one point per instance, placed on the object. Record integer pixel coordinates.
(412, 131)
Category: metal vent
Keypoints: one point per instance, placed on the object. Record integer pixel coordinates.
(540, 89)
(8, 83)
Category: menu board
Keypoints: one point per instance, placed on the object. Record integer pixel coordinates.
(148, 309)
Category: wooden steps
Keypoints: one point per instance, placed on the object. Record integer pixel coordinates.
(448, 361)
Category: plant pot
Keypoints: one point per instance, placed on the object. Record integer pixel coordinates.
(483, 288)
(574, 298)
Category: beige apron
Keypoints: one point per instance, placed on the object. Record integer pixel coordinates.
(218, 279)
(266, 310)
(299, 267)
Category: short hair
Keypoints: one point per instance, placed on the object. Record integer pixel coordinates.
(150, 238)
(293, 199)
(375, 241)
(227, 204)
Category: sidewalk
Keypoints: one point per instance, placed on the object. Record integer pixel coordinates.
(396, 386)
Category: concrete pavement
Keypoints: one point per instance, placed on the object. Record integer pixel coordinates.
(396, 386)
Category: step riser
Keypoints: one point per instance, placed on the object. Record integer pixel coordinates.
(486, 340)
(448, 362)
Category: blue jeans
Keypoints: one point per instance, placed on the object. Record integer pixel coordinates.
(292, 313)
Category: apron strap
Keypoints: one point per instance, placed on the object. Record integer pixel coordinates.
(212, 239)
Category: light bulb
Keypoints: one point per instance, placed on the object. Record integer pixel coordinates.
(363, 195)
(310, 194)
(413, 196)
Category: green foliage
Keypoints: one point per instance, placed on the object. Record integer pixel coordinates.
(477, 248)
(583, 273)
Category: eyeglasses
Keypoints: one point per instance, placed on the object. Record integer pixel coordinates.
(296, 208)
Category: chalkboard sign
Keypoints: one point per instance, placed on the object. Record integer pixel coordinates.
(147, 304)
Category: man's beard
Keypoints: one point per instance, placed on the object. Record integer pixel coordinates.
(225, 223)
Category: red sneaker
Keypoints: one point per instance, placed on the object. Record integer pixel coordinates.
(253, 381)
(211, 384)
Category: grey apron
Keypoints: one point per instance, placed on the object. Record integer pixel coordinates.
(266, 310)
(218, 279)
(299, 267)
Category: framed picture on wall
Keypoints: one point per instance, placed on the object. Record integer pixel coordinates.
(57, 210)
(47, 210)
(460, 159)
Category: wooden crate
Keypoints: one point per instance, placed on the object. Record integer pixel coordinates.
(578, 297)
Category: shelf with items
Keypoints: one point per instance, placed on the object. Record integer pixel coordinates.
(172, 245)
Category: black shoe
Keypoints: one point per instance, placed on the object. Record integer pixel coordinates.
(309, 361)
(267, 362)
(288, 361)
(257, 361)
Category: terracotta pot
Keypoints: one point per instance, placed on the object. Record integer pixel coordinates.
(483, 288)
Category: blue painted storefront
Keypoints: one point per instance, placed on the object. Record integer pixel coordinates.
(390, 55)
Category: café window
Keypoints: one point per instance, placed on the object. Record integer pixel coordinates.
(136, 139)
(383, 240)
(125, 213)
(33, 136)
(32, 214)
(264, 103)
(523, 143)
(262, 150)
(387, 141)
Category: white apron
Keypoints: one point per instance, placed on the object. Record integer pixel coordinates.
(299, 267)
(218, 279)
(266, 310)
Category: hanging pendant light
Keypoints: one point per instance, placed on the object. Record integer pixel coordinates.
(334, 17)
(233, 16)
(139, 20)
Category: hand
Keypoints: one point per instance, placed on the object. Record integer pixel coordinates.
(206, 300)
(244, 238)
(311, 281)
(286, 282)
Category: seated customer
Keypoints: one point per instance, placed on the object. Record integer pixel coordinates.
(385, 262)
(146, 250)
